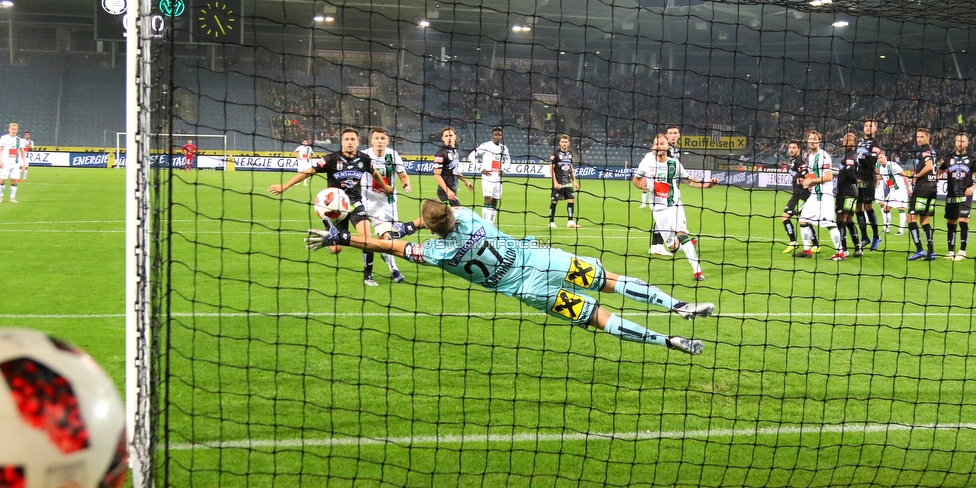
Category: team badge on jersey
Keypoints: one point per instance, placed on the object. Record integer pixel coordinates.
(568, 304)
(581, 273)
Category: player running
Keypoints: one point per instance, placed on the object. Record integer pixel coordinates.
(798, 171)
(659, 173)
(493, 160)
(304, 153)
(189, 154)
(13, 159)
(819, 209)
(564, 184)
(673, 133)
(894, 178)
(546, 279)
(345, 169)
(381, 206)
(958, 169)
(921, 205)
(447, 169)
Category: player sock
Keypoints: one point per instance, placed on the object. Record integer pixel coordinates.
(842, 229)
(644, 197)
(963, 235)
(688, 248)
(552, 212)
(368, 262)
(913, 232)
(13, 191)
(569, 210)
(929, 237)
(656, 239)
(862, 223)
(951, 228)
(901, 220)
(390, 262)
(813, 237)
(887, 219)
(629, 331)
(873, 220)
(808, 235)
(852, 229)
(836, 239)
(788, 224)
(640, 290)
(488, 212)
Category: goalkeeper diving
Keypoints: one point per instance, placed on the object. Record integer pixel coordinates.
(547, 279)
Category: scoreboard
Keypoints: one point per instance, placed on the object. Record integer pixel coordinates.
(187, 21)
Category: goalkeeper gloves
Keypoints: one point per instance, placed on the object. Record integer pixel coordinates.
(317, 239)
(402, 229)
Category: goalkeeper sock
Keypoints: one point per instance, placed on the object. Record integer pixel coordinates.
(368, 263)
(963, 235)
(629, 331)
(552, 212)
(952, 236)
(640, 290)
(788, 224)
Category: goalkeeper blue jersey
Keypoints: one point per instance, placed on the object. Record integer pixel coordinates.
(480, 253)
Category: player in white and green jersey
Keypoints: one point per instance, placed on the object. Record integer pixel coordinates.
(893, 178)
(304, 153)
(381, 207)
(819, 209)
(13, 159)
(547, 279)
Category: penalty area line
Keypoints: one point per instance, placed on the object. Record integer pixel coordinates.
(533, 437)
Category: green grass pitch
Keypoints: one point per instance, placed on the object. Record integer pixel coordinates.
(284, 370)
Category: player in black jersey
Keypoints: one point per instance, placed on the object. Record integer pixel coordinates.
(867, 181)
(921, 205)
(846, 198)
(345, 169)
(798, 171)
(447, 169)
(958, 170)
(564, 184)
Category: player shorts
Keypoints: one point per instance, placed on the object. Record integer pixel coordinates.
(866, 191)
(356, 215)
(879, 193)
(794, 206)
(565, 192)
(958, 207)
(845, 202)
(491, 189)
(381, 215)
(819, 211)
(897, 198)
(669, 221)
(304, 164)
(442, 196)
(922, 204)
(554, 281)
(12, 172)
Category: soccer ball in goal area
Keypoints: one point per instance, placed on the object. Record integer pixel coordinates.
(61, 419)
(215, 144)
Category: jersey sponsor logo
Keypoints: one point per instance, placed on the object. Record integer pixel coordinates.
(581, 273)
(414, 252)
(468, 244)
(438, 159)
(348, 174)
(569, 305)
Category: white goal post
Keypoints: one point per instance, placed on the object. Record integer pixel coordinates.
(221, 141)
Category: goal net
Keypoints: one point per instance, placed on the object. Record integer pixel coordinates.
(270, 364)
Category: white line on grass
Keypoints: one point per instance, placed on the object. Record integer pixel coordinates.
(482, 314)
(533, 437)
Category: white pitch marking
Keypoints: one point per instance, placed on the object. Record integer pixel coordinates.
(470, 314)
(858, 428)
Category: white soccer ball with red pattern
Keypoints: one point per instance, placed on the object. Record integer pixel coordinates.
(62, 422)
(332, 203)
